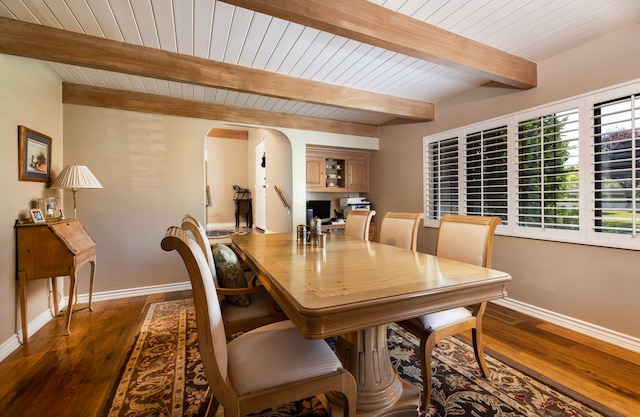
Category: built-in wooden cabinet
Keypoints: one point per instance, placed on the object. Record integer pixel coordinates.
(336, 170)
(316, 178)
(358, 174)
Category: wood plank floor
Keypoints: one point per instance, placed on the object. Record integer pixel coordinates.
(57, 375)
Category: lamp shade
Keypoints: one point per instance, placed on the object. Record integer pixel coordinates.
(76, 177)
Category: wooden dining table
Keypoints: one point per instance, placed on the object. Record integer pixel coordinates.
(352, 289)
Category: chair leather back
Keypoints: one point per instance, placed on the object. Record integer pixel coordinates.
(467, 239)
(357, 224)
(211, 334)
(400, 229)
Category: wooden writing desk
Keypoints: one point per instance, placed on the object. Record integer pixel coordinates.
(352, 289)
(50, 250)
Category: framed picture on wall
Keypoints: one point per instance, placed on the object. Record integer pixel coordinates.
(34, 155)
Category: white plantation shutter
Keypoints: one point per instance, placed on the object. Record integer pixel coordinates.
(442, 179)
(485, 175)
(548, 171)
(616, 159)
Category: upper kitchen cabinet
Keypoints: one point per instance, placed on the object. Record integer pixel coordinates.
(358, 173)
(336, 170)
(316, 172)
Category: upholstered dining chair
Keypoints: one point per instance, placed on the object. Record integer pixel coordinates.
(357, 223)
(400, 229)
(467, 239)
(262, 368)
(243, 308)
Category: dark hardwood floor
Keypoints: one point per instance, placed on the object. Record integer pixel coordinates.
(57, 375)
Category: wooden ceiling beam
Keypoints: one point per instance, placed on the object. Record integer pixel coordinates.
(228, 133)
(50, 44)
(151, 103)
(375, 25)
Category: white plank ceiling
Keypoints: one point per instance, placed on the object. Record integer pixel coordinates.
(529, 29)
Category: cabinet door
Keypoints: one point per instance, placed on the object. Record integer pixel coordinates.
(315, 173)
(358, 175)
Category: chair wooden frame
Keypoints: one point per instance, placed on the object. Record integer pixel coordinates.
(400, 229)
(434, 327)
(253, 316)
(221, 369)
(358, 223)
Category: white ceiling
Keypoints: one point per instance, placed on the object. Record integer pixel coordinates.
(530, 29)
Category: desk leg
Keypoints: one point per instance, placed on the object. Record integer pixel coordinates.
(381, 391)
(22, 280)
(54, 295)
(72, 290)
(93, 274)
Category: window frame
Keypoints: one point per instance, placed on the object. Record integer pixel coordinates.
(586, 233)
(614, 240)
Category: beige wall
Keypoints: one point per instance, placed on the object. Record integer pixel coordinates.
(30, 95)
(228, 161)
(152, 171)
(592, 284)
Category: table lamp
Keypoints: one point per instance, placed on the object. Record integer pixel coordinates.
(75, 177)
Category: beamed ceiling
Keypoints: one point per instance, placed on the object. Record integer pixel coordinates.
(344, 66)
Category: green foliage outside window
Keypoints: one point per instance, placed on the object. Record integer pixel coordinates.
(548, 176)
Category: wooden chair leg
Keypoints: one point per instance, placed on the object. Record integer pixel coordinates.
(476, 335)
(427, 344)
(213, 407)
(478, 350)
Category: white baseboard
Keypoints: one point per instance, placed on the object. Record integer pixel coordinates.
(136, 292)
(588, 329)
(33, 326)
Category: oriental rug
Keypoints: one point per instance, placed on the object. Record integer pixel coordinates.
(164, 377)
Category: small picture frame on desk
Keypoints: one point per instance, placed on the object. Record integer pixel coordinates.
(37, 216)
(59, 214)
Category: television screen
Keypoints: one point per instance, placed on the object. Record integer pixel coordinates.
(321, 208)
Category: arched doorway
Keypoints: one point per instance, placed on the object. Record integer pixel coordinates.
(230, 158)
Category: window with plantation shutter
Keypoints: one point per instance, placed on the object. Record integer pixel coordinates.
(485, 177)
(548, 171)
(567, 171)
(442, 178)
(616, 157)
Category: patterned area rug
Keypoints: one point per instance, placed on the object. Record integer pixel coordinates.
(164, 377)
(223, 233)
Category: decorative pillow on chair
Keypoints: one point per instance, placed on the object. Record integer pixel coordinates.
(229, 272)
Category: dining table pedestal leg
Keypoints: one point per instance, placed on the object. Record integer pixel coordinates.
(381, 391)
